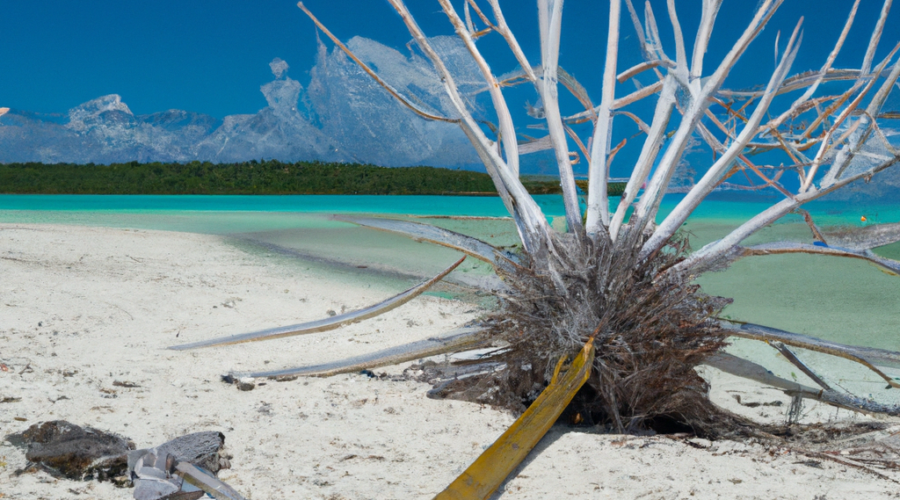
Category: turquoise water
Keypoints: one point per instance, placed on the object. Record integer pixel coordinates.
(838, 299)
(82, 208)
(239, 214)
(485, 206)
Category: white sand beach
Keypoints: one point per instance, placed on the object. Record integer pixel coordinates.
(82, 308)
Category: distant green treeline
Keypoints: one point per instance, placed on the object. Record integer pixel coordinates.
(253, 177)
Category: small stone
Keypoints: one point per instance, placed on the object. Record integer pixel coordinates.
(246, 384)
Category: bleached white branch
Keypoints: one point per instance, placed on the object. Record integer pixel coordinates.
(649, 152)
(649, 56)
(469, 25)
(826, 144)
(707, 19)
(507, 34)
(709, 180)
(845, 155)
(598, 173)
(720, 248)
(876, 36)
(530, 220)
(653, 39)
(774, 124)
(619, 103)
(504, 118)
(652, 196)
(740, 367)
(550, 17)
(391, 90)
(785, 247)
(681, 66)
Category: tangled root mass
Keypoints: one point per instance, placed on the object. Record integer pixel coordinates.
(650, 333)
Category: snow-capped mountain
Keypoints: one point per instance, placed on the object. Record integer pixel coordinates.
(342, 116)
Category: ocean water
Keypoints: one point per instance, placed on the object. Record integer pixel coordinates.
(839, 299)
(64, 207)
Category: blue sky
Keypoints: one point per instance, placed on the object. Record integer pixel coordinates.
(211, 57)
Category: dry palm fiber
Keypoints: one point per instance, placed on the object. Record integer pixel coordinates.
(650, 334)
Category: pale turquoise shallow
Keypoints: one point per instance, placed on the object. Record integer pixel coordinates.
(255, 212)
(840, 299)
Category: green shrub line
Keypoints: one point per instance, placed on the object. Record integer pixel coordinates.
(253, 177)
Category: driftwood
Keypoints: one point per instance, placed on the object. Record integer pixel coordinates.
(624, 277)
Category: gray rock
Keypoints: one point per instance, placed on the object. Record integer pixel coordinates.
(200, 448)
(65, 449)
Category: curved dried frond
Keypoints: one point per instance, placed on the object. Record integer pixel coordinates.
(743, 368)
(859, 355)
(781, 247)
(458, 340)
(325, 324)
(767, 334)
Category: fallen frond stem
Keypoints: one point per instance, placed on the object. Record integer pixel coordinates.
(210, 484)
(860, 355)
(740, 367)
(787, 353)
(782, 247)
(462, 338)
(439, 236)
(329, 323)
(490, 469)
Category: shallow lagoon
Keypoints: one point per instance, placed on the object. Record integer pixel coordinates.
(840, 299)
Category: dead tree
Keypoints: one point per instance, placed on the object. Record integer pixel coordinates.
(624, 284)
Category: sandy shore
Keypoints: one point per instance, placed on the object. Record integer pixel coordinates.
(82, 308)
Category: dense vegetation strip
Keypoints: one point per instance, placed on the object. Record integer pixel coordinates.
(253, 177)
